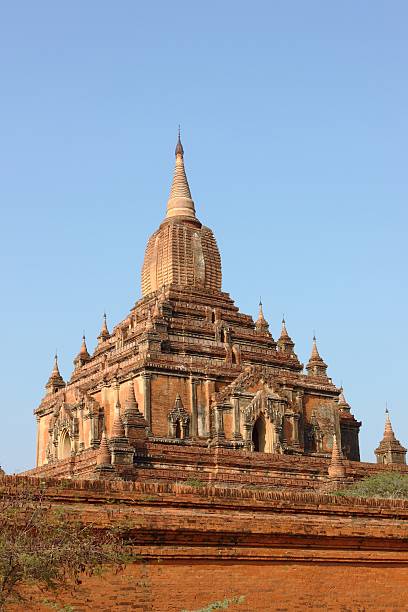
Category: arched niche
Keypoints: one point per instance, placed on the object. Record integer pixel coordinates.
(64, 446)
(259, 434)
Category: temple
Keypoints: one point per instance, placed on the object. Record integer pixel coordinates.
(187, 371)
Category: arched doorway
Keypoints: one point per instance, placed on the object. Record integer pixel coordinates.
(65, 445)
(178, 429)
(259, 434)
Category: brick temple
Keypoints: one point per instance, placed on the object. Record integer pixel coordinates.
(206, 439)
(187, 379)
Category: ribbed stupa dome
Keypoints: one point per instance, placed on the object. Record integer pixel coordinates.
(182, 251)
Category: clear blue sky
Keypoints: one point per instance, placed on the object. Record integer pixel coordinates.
(294, 121)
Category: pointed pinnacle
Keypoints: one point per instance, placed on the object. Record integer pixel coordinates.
(103, 456)
(388, 431)
(179, 146)
(84, 349)
(55, 369)
(118, 429)
(104, 330)
(315, 352)
(131, 403)
(180, 202)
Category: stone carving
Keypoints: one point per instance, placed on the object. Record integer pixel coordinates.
(269, 407)
(325, 425)
(179, 420)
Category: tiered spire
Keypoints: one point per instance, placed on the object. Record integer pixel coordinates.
(83, 355)
(344, 406)
(104, 456)
(180, 202)
(336, 467)
(121, 451)
(316, 366)
(285, 342)
(149, 322)
(261, 324)
(388, 431)
(130, 402)
(55, 380)
(134, 421)
(390, 450)
(104, 333)
(118, 429)
(156, 310)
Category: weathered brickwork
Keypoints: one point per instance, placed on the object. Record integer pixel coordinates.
(276, 550)
(169, 586)
(202, 372)
(218, 450)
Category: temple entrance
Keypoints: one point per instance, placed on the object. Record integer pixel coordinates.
(259, 434)
(65, 446)
(178, 429)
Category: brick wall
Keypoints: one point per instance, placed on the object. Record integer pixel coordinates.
(194, 546)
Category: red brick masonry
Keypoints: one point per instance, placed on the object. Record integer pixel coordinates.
(276, 550)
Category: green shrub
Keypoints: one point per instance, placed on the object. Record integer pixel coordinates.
(46, 546)
(220, 605)
(390, 485)
(193, 482)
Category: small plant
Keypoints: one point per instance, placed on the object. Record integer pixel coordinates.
(193, 482)
(46, 547)
(220, 605)
(390, 485)
(56, 606)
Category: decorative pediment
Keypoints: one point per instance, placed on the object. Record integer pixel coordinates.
(63, 428)
(266, 402)
(325, 424)
(251, 380)
(179, 420)
(178, 413)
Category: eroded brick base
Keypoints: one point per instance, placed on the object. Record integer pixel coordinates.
(194, 546)
(285, 587)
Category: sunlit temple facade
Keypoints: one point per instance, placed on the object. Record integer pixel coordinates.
(186, 368)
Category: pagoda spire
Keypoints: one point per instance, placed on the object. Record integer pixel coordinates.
(83, 355)
(261, 324)
(104, 333)
(103, 457)
(284, 331)
(84, 350)
(343, 404)
(55, 370)
(390, 450)
(156, 310)
(149, 322)
(121, 451)
(388, 430)
(316, 366)
(285, 342)
(130, 402)
(55, 381)
(118, 429)
(134, 421)
(336, 467)
(315, 352)
(180, 202)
